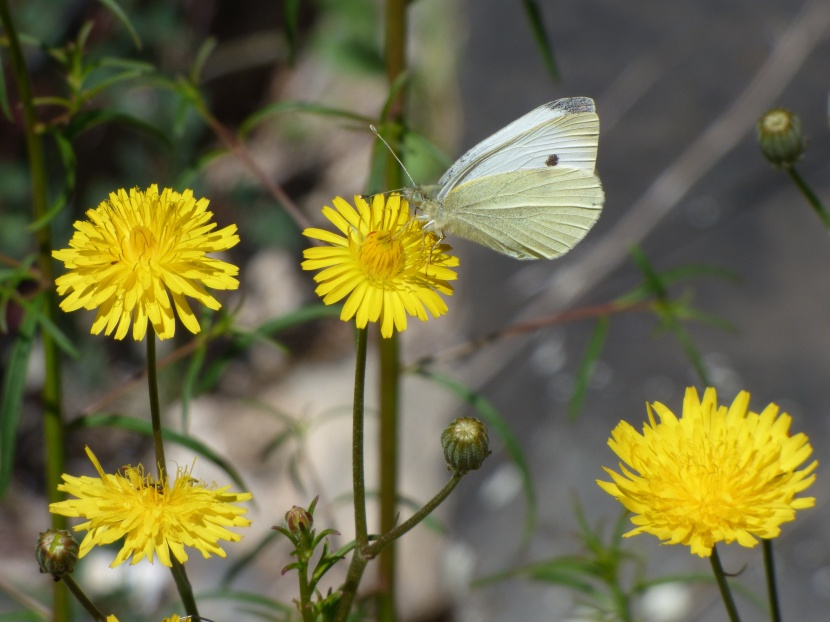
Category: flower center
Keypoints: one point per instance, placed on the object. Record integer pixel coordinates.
(381, 255)
(777, 122)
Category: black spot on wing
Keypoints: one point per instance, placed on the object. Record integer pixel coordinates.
(552, 160)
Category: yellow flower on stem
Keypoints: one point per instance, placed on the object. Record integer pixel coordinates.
(386, 264)
(153, 516)
(134, 250)
(713, 475)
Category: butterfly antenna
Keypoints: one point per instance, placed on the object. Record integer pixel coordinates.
(394, 155)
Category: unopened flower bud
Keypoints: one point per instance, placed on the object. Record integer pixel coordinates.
(298, 520)
(780, 137)
(56, 552)
(466, 444)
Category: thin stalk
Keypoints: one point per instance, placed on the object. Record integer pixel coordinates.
(811, 197)
(395, 51)
(155, 408)
(725, 593)
(53, 424)
(184, 588)
(177, 569)
(772, 589)
(389, 441)
(387, 538)
(623, 603)
(82, 598)
(305, 591)
(359, 560)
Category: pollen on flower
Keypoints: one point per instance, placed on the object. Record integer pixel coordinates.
(136, 252)
(154, 517)
(716, 474)
(381, 256)
(384, 264)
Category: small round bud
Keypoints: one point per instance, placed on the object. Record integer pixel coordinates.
(466, 444)
(298, 520)
(56, 552)
(780, 137)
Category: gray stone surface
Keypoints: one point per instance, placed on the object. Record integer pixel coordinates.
(661, 73)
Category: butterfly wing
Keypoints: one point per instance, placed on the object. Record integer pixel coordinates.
(531, 214)
(560, 133)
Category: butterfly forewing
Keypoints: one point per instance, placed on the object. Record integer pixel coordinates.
(565, 131)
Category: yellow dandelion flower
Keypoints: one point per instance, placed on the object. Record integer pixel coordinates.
(714, 475)
(137, 247)
(174, 618)
(111, 618)
(152, 515)
(386, 264)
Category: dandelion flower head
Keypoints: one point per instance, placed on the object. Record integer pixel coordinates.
(384, 264)
(138, 250)
(153, 516)
(716, 474)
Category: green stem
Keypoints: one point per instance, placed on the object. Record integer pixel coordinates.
(358, 479)
(395, 51)
(82, 598)
(155, 408)
(811, 197)
(52, 415)
(305, 591)
(772, 590)
(179, 574)
(389, 391)
(725, 593)
(387, 538)
(359, 560)
(184, 588)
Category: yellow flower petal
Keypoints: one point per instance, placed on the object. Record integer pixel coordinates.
(154, 518)
(133, 249)
(716, 474)
(385, 265)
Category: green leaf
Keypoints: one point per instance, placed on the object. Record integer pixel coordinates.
(204, 52)
(586, 366)
(495, 421)
(144, 427)
(675, 275)
(667, 313)
(290, 14)
(265, 113)
(67, 155)
(246, 597)
(122, 16)
(537, 27)
(86, 120)
(14, 386)
(34, 307)
(191, 377)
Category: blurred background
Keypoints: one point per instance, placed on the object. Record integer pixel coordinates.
(678, 88)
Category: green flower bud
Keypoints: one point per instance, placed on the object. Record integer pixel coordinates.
(298, 520)
(466, 444)
(56, 552)
(780, 137)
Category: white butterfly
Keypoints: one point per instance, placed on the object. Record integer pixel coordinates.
(528, 191)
